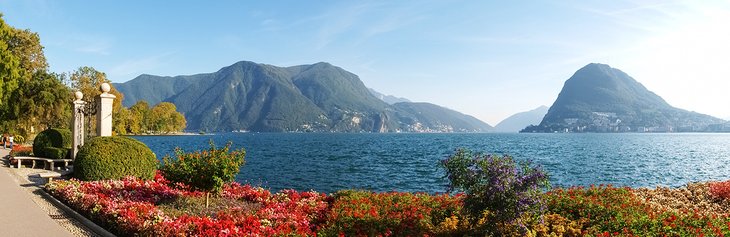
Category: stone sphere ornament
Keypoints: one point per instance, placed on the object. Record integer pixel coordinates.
(78, 95)
(105, 87)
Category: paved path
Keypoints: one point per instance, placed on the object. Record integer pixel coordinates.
(19, 214)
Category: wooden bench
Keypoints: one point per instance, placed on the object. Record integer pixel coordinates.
(49, 163)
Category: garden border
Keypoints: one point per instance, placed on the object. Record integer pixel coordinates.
(82, 219)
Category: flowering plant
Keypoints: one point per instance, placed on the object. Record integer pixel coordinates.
(720, 190)
(131, 207)
(498, 189)
(19, 150)
(362, 213)
(610, 211)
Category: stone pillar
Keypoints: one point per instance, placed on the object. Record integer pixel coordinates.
(78, 124)
(104, 103)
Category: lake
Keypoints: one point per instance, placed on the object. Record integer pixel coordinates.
(328, 162)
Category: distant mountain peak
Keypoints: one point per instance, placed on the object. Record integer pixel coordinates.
(390, 99)
(599, 98)
(519, 121)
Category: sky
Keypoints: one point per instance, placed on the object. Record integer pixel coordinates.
(489, 59)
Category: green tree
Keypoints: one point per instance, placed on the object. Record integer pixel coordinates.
(139, 115)
(41, 103)
(30, 97)
(88, 80)
(10, 70)
(27, 46)
(164, 118)
(178, 122)
(121, 122)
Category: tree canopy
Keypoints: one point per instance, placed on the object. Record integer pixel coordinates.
(140, 118)
(31, 98)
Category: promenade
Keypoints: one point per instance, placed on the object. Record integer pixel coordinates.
(20, 215)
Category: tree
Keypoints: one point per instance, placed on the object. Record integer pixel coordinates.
(164, 118)
(178, 122)
(40, 103)
(27, 46)
(88, 80)
(10, 70)
(121, 122)
(140, 118)
(30, 97)
(139, 114)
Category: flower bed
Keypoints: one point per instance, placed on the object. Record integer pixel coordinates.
(611, 211)
(130, 207)
(20, 150)
(361, 213)
(137, 207)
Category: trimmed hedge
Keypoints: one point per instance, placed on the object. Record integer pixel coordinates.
(115, 157)
(58, 138)
(55, 153)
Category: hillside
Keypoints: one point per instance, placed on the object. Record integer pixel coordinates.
(306, 98)
(140, 88)
(433, 118)
(387, 98)
(598, 98)
(519, 121)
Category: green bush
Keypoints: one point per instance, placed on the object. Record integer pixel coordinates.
(204, 170)
(498, 188)
(114, 158)
(55, 153)
(58, 138)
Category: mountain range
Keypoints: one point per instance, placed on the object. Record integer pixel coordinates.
(519, 121)
(306, 98)
(598, 98)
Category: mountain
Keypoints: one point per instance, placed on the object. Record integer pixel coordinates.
(139, 88)
(305, 98)
(387, 98)
(428, 117)
(598, 98)
(519, 121)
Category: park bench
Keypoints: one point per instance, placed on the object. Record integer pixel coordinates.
(49, 176)
(48, 164)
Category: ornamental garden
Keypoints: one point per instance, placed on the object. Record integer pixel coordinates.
(120, 185)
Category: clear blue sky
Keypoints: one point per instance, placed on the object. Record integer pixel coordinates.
(489, 59)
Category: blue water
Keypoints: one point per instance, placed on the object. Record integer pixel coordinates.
(410, 162)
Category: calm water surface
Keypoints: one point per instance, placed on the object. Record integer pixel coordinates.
(410, 162)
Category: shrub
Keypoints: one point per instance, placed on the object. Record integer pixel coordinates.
(205, 170)
(59, 138)
(498, 189)
(114, 158)
(55, 153)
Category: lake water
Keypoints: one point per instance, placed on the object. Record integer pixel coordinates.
(410, 162)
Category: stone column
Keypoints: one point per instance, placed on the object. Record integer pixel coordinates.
(78, 125)
(104, 103)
